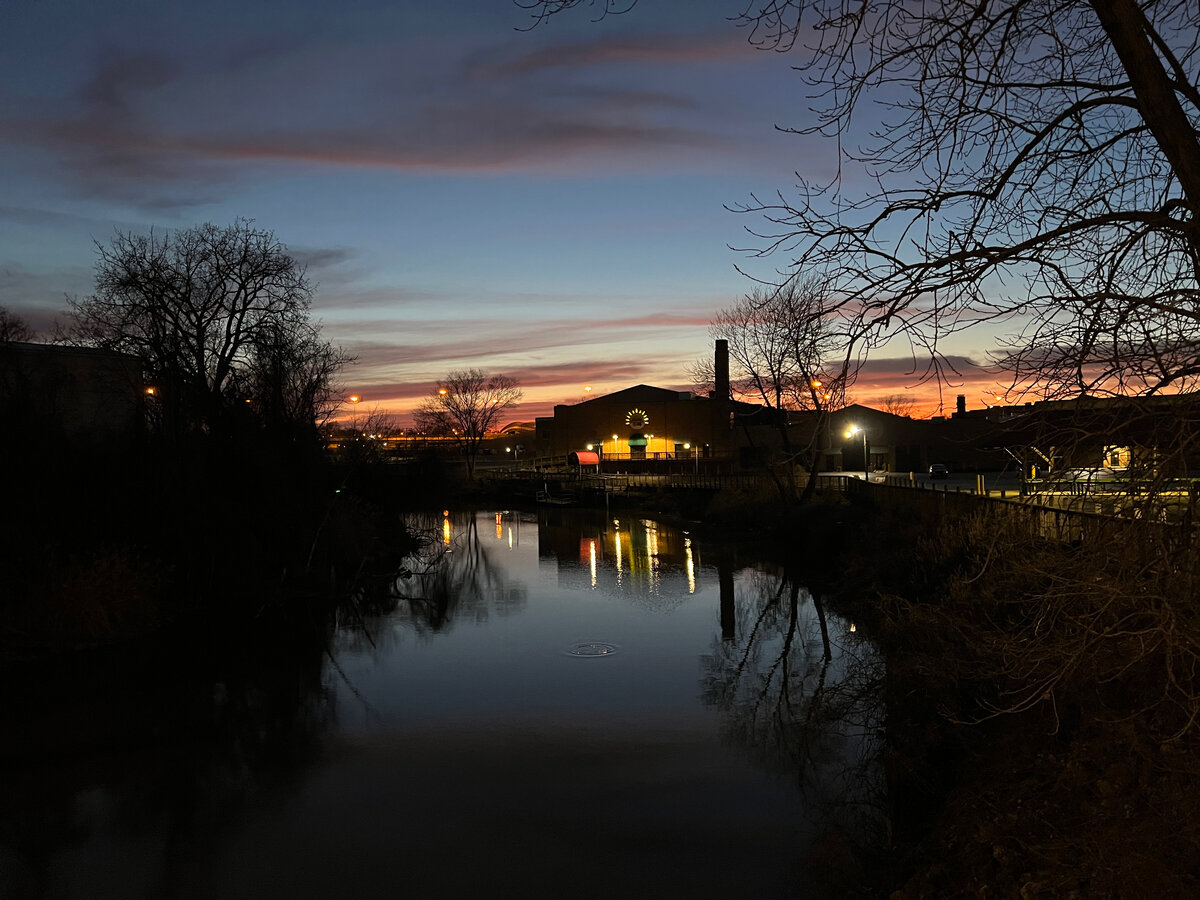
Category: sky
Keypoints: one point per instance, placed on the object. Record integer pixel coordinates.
(550, 203)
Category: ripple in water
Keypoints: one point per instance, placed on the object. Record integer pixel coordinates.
(592, 648)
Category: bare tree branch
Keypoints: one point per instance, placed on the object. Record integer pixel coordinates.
(465, 407)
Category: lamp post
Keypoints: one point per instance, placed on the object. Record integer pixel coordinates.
(854, 429)
(695, 455)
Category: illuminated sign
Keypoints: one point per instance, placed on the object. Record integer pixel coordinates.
(637, 418)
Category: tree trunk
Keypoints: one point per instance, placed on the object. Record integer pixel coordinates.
(1129, 32)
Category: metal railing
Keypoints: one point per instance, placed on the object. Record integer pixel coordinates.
(1057, 517)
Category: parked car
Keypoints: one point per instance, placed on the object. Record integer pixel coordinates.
(939, 470)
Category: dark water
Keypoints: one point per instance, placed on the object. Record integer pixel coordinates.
(572, 707)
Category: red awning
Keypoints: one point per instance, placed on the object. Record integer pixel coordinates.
(583, 458)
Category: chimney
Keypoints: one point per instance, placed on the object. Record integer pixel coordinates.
(721, 371)
(961, 407)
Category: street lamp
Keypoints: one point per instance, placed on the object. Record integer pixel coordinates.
(854, 429)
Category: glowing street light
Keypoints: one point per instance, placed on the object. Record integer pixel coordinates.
(854, 429)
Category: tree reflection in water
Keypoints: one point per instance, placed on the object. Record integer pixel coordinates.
(451, 576)
(807, 702)
(201, 753)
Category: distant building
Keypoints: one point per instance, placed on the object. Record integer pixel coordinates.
(646, 428)
(641, 422)
(642, 425)
(86, 397)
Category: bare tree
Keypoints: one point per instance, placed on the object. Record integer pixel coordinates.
(291, 379)
(898, 404)
(361, 438)
(465, 407)
(220, 318)
(1038, 163)
(791, 351)
(13, 327)
(1035, 166)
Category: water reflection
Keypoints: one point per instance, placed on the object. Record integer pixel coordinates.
(114, 774)
(635, 556)
(582, 699)
(806, 698)
(457, 577)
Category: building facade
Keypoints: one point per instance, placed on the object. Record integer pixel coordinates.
(86, 397)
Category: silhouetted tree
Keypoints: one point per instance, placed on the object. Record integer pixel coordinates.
(898, 404)
(360, 438)
(465, 407)
(791, 351)
(1034, 161)
(290, 379)
(220, 318)
(13, 327)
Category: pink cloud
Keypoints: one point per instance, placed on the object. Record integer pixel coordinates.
(661, 48)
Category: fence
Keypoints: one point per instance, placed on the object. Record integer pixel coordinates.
(735, 481)
(1045, 518)
(1061, 518)
(620, 484)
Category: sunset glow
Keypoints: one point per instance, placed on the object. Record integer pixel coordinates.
(548, 204)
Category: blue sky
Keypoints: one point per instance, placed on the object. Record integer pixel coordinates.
(549, 204)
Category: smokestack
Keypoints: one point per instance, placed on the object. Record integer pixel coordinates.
(962, 404)
(721, 371)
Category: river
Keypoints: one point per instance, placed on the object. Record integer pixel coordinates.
(540, 704)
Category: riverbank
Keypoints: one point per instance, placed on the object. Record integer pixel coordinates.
(1042, 703)
(120, 551)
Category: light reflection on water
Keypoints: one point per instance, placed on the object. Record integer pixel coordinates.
(536, 703)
